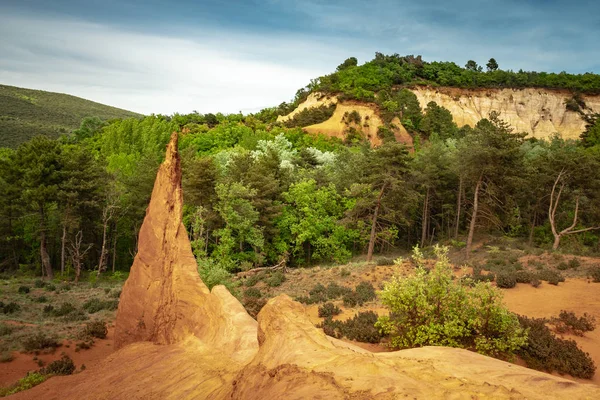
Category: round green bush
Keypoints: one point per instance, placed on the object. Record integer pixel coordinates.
(506, 280)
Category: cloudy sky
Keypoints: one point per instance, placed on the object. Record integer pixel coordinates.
(160, 56)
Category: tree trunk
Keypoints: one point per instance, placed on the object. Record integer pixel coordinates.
(425, 218)
(114, 252)
(458, 207)
(374, 226)
(62, 249)
(473, 216)
(530, 241)
(43, 251)
(103, 250)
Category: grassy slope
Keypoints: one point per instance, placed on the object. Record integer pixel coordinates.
(25, 113)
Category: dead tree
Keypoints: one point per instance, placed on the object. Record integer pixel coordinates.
(78, 253)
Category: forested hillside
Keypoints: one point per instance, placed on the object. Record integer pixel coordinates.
(25, 113)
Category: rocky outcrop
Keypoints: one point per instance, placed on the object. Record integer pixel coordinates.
(178, 340)
(540, 113)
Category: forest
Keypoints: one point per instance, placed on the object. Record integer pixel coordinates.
(257, 192)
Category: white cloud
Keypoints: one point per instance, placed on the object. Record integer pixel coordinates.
(155, 74)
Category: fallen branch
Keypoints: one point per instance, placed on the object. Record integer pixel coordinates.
(281, 266)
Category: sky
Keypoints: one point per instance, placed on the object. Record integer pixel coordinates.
(163, 57)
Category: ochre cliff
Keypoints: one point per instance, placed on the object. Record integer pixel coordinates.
(178, 340)
(540, 113)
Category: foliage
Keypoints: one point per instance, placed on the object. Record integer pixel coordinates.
(544, 351)
(63, 366)
(361, 327)
(213, 274)
(96, 329)
(253, 305)
(9, 308)
(94, 305)
(311, 116)
(329, 310)
(23, 289)
(595, 273)
(568, 322)
(38, 341)
(432, 309)
(276, 279)
(30, 380)
(506, 280)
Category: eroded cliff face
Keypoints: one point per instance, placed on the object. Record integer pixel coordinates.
(540, 113)
(178, 340)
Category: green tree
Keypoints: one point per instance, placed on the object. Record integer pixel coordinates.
(471, 66)
(349, 62)
(492, 65)
(438, 120)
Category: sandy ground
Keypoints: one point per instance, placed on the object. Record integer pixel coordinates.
(575, 295)
(23, 362)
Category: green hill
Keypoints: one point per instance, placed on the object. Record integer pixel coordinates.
(25, 113)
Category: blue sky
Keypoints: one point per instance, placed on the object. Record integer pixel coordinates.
(159, 56)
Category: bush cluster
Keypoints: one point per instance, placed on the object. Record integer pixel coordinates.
(311, 116)
(39, 341)
(276, 279)
(253, 305)
(94, 305)
(568, 322)
(64, 366)
(360, 328)
(9, 308)
(552, 277)
(506, 280)
(545, 352)
(95, 329)
(30, 380)
(253, 292)
(595, 273)
(329, 310)
(364, 292)
(23, 289)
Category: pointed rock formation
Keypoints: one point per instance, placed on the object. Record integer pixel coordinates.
(178, 340)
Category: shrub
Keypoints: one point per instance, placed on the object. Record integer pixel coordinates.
(48, 308)
(6, 356)
(568, 322)
(254, 279)
(360, 328)
(39, 283)
(385, 261)
(552, 277)
(64, 309)
(50, 287)
(253, 305)
(523, 276)
(41, 299)
(344, 273)
(10, 308)
(116, 294)
(431, 309)
(6, 329)
(75, 316)
(574, 263)
(335, 291)
(595, 273)
(562, 266)
(506, 280)
(106, 290)
(64, 366)
(23, 289)
(276, 279)
(96, 329)
(329, 310)
(365, 292)
(65, 287)
(253, 292)
(351, 299)
(94, 305)
(30, 380)
(545, 352)
(39, 341)
(535, 282)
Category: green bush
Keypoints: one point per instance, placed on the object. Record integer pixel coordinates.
(6, 329)
(329, 310)
(39, 283)
(523, 276)
(41, 299)
(568, 322)
(64, 309)
(574, 263)
(39, 341)
(30, 380)
(552, 277)
(311, 116)
(351, 299)
(65, 287)
(9, 308)
(50, 287)
(432, 309)
(595, 273)
(344, 273)
(365, 292)
(335, 291)
(96, 329)
(94, 305)
(276, 279)
(562, 266)
(64, 366)
(253, 292)
(116, 294)
(545, 352)
(385, 261)
(23, 289)
(360, 328)
(254, 279)
(506, 280)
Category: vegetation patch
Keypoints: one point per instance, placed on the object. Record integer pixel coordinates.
(361, 327)
(329, 310)
(545, 352)
(568, 322)
(311, 116)
(96, 329)
(30, 380)
(64, 366)
(39, 341)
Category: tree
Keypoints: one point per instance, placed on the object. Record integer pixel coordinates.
(433, 309)
(591, 136)
(38, 161)
(438, 120)
(491, 156)
(349, 62)
(471, 66)
(492, 65)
